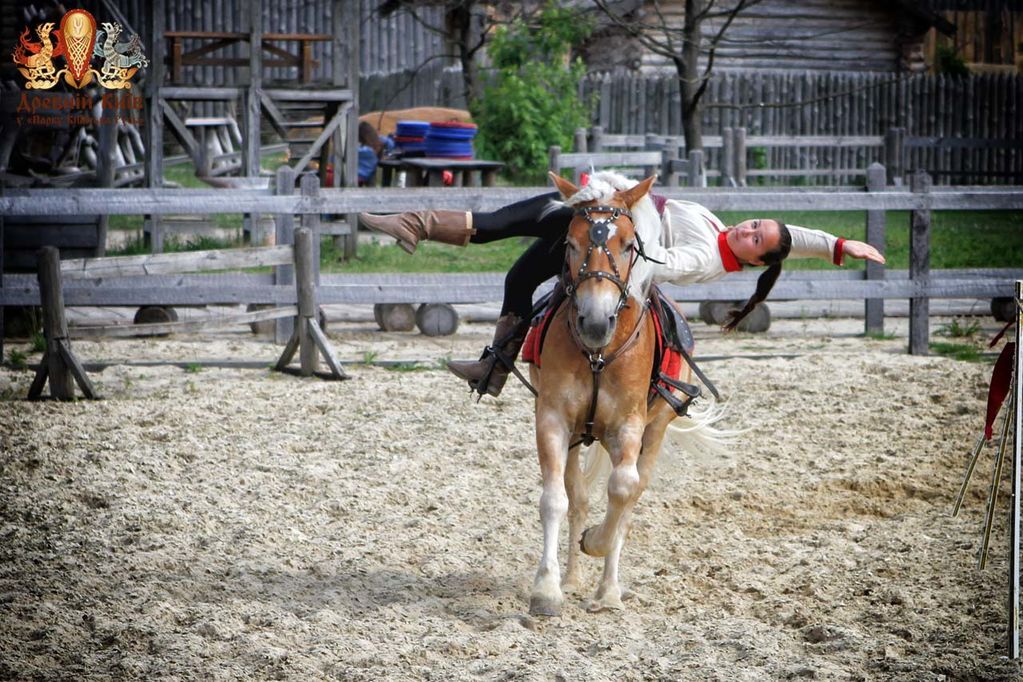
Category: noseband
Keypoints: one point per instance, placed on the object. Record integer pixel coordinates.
(600, 232)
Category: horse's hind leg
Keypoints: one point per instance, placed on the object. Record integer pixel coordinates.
(578, 508)
(552, 445)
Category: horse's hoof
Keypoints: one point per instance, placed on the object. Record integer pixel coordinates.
(605, 604)
(582, 544)
(544, 606)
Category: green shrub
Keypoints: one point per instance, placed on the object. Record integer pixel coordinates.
(532, 101)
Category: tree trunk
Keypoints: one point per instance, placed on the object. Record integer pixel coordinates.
(466, 24)
(687, 66)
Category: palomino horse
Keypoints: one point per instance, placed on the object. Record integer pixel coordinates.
(603, 333)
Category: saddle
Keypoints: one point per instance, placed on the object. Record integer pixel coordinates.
(675, 345)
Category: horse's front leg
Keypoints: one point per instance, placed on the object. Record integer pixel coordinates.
(552, 446)
(624, 487)
(578, 508)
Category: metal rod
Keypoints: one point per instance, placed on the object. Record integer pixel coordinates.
(1017, 473)
(993, 492)
(969, 475)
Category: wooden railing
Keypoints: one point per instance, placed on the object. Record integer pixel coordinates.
(919, 283)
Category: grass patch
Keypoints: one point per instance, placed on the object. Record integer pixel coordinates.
(429, 257)
(17, 359)
(956, 351)
(136, 246)
(880, 336)
(956, 330)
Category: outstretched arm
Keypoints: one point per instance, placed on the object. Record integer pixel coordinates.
(807, 243)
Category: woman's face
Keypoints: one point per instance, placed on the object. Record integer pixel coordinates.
(751, 239)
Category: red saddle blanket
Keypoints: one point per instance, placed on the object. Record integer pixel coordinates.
(669, 361)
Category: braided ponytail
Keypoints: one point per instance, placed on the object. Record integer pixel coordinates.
(766, 280)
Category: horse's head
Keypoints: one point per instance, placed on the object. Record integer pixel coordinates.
(602, 251)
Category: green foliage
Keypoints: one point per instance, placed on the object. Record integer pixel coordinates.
(17, 359)
(956, 330)
(956, 351)
(37, 342)
(950, 62)
(193, 368)
(430, 257)
(531, 101)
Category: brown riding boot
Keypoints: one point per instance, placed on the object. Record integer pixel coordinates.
(447, 227)
(488, 374)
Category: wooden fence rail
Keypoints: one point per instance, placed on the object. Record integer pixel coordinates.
(170, 289)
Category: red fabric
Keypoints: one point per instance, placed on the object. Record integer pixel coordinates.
(531, 348)
(1001, 377)
(839, 256)
(728, 258)
(671, 360)
(454, 124)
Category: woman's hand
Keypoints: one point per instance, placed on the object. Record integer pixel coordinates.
(856, 249)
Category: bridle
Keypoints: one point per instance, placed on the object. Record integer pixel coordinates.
(599, 232)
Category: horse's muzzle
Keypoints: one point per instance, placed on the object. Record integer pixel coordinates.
(596, 331)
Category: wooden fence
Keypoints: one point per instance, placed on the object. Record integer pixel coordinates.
(918, 285)
(933, 107)
(59, 364)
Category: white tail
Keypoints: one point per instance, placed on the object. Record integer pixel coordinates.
(696, 433)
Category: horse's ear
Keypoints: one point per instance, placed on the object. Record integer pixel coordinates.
(631, 196)
(564, 186)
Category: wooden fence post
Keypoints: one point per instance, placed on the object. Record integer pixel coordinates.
(919, 266)
(874, 307)
(696, 177)
(306, 286)
(553, 161)
(580, 140)
(310, 187)
(598, 138)
(285, 227)
(308, 337)
(894, 153)
(739, 151)
(727, 158)
(669, 176)
(58, 363)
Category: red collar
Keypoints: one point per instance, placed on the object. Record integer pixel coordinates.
(728, 258)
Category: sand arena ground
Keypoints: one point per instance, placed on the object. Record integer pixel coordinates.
(211, 523)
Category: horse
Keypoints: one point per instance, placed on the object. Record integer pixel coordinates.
(597, 359)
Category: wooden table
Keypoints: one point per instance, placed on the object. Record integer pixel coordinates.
(427, 171)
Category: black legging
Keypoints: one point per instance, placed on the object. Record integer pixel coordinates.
(544, 257)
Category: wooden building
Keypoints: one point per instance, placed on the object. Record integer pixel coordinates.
(988, 35)
(785, 35)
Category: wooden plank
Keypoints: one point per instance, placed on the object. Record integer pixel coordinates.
(603, 159)
(171, 263)
(288, 353)
(320, 339)
(77, 371)
(375, 199)
(183, 326)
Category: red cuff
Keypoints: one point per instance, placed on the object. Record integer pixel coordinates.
(839, 257)
(728, 259)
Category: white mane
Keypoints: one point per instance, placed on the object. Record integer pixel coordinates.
(602, 186)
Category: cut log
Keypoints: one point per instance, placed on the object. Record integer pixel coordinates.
(437, 319)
